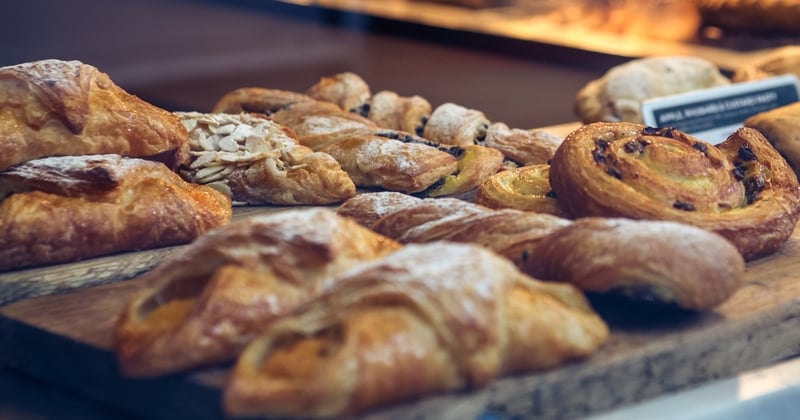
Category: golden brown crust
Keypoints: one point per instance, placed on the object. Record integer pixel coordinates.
(456, 125)
(409, 114)
(525, 188)
(56, 108)
(372, 156)
(447, 316)
(64, 209)
(525, 147)
(784, 60)
(256, 161)
(619, 93)
(624, 255)
(206, 303)
(742, 188)
(781, 126)
(347, 90)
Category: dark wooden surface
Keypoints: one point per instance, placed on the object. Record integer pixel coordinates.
(65, 340)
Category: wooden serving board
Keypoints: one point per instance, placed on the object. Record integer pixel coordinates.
(66, 340)
(20, 284)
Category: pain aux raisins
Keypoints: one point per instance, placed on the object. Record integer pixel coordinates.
(668, 132)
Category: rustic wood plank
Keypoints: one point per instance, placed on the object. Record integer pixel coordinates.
(38, 281)
(650, 352)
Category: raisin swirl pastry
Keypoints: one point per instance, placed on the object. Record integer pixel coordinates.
(524, 188)
(423, 320)
(741, 188)
(635, 258)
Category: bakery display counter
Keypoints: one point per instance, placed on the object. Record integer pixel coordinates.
(629, 29)
(57, 359)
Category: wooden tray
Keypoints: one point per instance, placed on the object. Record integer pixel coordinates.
(20, 284)
(65, 339)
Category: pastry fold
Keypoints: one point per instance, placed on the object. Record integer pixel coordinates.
(603, 255)
(56, 108)
(524, 188)
(425, 319)
(65, 209)
(742, 188)
(204, 305)
(256, 161)
(373, 157)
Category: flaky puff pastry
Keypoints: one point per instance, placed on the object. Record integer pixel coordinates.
(423, 320)
(781, 126)
(374, 157)
(206, 303)
(742, 188)
(604, 255)
(69, 208)
(256, 161)
(524, 188)
(55, 108)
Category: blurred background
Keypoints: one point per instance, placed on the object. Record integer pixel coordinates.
(518, 61)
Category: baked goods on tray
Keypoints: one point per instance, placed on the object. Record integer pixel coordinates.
(618, 95)
(256, 161)
(56, 108)
(780, 61)
(448, 124)
(206, 303)
(423, 320)
(741, 188)
(781, 126)
(68, 208)
(637, 258)
(373, 157)
(305, 300)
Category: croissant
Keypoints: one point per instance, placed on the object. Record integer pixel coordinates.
(205, 304)
(373, 157)
(69, 208)
(741, 188)
(636, 258)
(256, 161)
(425, 319)
(55, 108)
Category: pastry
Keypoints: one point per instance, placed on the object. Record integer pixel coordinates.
(69, 208)
(447, 125)
(256, 161)
(55, 108)
(205, 304)
(602, 255)
(781, 126)
(524, 188)
(423, 320)
(763, 16)
(741, 188)
(456, 125)
(781, 61)
(523, 147)
(372, 156)
(618, 95)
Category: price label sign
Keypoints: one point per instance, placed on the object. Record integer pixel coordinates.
(714, 114)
